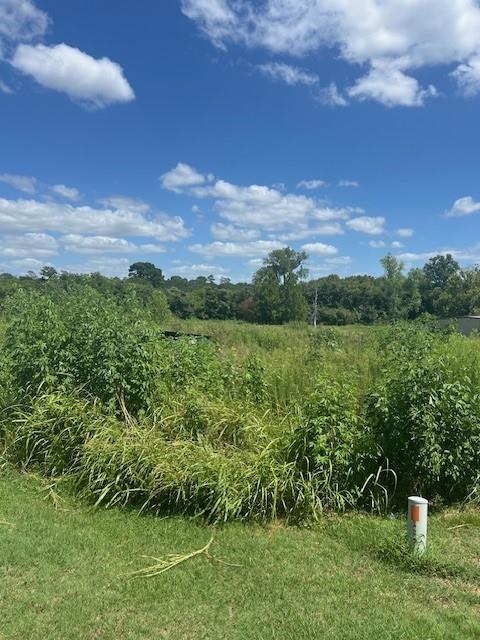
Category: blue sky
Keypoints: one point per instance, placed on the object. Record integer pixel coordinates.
(201, 134)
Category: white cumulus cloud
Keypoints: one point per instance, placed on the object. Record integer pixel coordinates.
(376, 244)
(28, 245)
(320, 249)
(181, 176)
(300, 232)
(467, 76)
(94, 82)
(331, 96)
(194, 270)
(21, 20)
(107, 265)
(125, 203)
(391, 86)
(252, 206)
(33, 215)
(396, 35)
(4, 88)
(222, 231)
(77, 243)
(405, 232)
(367, 224)
(464, 207)
(237, 249)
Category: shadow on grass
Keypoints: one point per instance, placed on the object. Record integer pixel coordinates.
(396, 552)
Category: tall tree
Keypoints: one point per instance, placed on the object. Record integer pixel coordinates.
(266, 296)
(147, 272)
(286, 262)
(277, 295)
(437, 272)
(393, 281)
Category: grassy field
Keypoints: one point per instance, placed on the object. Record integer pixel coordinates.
(64, 575)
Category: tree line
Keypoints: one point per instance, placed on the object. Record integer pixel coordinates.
(281, 292)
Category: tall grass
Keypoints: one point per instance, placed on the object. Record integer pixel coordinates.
(256, 422)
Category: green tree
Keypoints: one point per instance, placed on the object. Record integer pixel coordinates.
(458, 297)
(393, 284)
(277, 295)
(411, 295)
(146, 271)
(266, 296)
(286, 262)
(437, 271)
(48, 273)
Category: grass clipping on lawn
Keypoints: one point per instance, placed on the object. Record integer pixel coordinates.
(173, 560)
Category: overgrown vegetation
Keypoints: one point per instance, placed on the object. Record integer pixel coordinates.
(257, 422)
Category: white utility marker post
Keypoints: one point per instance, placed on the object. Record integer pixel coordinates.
(417, 523)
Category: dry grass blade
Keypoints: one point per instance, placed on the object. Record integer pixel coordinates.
(7, 524)
(173, 560)
(54, 496)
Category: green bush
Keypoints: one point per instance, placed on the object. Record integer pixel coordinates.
(252, 383)
(425, 415)
(83, 339)
(332, 443)
(323, 339)
(189, 363)
(35, 341)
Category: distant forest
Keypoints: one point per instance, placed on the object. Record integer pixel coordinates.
(281, 292)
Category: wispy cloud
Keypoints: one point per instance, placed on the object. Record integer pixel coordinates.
(28, 184)
(71, 193)
(312, 184)
(287, 73)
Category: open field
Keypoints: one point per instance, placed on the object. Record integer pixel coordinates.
(64, 576)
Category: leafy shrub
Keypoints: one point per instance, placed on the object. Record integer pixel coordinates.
(324, 338)
(332, 443)
(159, 308)
(85, 340)
(425, 415)
(252, 381)
(189, 363)
(35, 340)
(336, 315)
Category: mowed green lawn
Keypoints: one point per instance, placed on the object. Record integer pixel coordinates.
(64, 575)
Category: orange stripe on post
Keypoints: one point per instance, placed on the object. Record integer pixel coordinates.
(415, 513)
